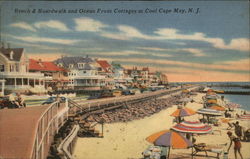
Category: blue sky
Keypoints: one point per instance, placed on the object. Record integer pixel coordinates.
(212, 45)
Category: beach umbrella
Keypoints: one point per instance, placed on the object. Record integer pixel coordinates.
(207, 111)
(245, 117)
(211, 101)
(210, 90)
(211, 97)
(181, 112)
(217, 107)
(168, 138)
(195, 127)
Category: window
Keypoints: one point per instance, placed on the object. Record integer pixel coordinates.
(11, 68)
(84, 72)
(60, 64)
(71, 65)
(17, 68)
(1, 68)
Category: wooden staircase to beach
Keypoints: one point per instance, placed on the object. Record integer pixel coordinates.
(87, 126)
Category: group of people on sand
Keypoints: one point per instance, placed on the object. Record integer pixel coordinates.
(17, 101)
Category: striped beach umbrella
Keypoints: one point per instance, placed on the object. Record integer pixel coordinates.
(245, 117)
(217, 107)
(211, 97)
(181, 112)
(192, 127)
(211, 112)
(168, 138)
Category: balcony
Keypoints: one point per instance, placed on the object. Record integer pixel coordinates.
(21, 75)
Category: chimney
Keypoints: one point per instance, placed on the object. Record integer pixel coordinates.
(11, 55)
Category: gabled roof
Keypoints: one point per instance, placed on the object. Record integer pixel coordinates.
(17, 53)
(104, 64)
(66, 61)
(38, 65)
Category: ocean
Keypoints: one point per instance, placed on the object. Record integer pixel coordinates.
(243, 100)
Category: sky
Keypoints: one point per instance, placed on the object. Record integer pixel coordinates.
(189, 41)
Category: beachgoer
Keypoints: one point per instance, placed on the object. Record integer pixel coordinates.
(237, 115)
(237, 144)
(238, 130)
(13, 101)
(20, 100)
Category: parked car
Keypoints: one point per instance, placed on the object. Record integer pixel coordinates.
(53, 99)
(4, 102)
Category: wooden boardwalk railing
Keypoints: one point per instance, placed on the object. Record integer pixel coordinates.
(49, 123)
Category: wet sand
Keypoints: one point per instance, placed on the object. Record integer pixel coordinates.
(127, 140)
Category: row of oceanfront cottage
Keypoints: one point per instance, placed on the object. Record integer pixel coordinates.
(19, 73)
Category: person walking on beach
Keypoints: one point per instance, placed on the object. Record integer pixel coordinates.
(238, 130)
(237, 144)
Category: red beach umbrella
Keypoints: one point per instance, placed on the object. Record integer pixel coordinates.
(245, 117)
(192, 127)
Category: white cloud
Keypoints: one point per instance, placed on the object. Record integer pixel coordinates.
(241, 44)
(88, 24)
(55, 24)
(194, 51)
(126, 32)
(48, 40)
(120, 53)
(23, 25)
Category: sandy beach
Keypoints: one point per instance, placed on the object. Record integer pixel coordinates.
(127, 140)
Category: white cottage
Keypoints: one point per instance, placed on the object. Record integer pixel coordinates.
(83, 73)
(14, 71)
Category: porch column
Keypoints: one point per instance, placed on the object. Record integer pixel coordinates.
(28, 81)
(22, 81)
(15, 82)
(3, 84)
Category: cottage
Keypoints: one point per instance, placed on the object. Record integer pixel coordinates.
(55, 77)
(82, 73)
(14, 70)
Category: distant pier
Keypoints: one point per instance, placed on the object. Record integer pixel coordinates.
(231, 92)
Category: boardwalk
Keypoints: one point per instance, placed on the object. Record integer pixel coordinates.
(27, 132)
(18, 128)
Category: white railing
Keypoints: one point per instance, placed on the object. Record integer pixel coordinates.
(48, 124)
(66, 146)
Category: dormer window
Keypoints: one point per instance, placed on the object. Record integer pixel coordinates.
(60, 65)
(11, 55)
(71, 65)
(80, 65)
